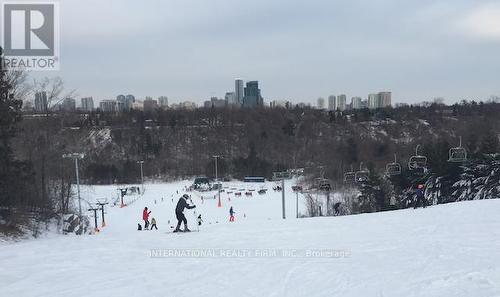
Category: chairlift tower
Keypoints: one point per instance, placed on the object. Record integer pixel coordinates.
(76, 157)
(219, 203)
(123, 192)
(95, 209)
(282, 175)
(141, 162)
(101, 205)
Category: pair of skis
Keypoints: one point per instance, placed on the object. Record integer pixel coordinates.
(196, 221)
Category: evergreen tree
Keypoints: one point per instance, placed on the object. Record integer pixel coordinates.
(490, 143)
(10, 114)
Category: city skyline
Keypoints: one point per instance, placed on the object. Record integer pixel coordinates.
(252, 98)
(129, 101)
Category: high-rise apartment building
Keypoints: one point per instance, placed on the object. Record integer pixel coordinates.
(252, 96)
(41, 103)
(341, 102)
(87, 103)
(332, 102)
(385, 98)
(230, 98)
(163, 101)
(107, 105)
(373, 101)
(149, 104)
(356, 102)
(239, 92)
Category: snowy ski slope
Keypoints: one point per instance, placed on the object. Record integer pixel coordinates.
(447, 250)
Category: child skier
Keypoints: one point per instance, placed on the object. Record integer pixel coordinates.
(231, 214)
(145, 217)
(153, 224)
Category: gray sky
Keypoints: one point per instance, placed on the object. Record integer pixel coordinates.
(298, 50)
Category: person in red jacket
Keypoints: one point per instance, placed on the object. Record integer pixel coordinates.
(145, 217)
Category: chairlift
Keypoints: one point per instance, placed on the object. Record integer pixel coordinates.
(323, 184)
(362, 175)
(457, 154)
(417, 162)
(393, 169)
(350, 176)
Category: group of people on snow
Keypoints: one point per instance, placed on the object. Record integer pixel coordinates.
(145, 218)
(182, 204)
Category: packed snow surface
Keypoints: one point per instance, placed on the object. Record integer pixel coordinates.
(446, 250)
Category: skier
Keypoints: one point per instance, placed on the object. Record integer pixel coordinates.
(145, 217)
(153, 224)
(336, 208)
(231, 214)
(420, 201)
(199, 220)
(179, 209)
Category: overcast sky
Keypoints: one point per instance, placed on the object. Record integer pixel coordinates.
(298, 50)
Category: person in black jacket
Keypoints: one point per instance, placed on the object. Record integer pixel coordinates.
(420, 197)
(179, 209)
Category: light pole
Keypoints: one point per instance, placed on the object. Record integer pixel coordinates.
(76, 157)
(297, 205)
(142, 176)
(219, 204)
(297, 189)
(282, 175)
(283, 197)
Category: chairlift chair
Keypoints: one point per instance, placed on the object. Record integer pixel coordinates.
(362, 175)
(393, 169)
(417, 161)
(457, 154)
(322, 184)
(350, 176)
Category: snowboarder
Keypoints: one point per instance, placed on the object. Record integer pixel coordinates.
(153, 224)
(179, 209)
(145, 217)
(139, 227)
(336, 208)
(231, 214)
(199, 220)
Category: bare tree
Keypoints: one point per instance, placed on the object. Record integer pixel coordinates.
(54, 88)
